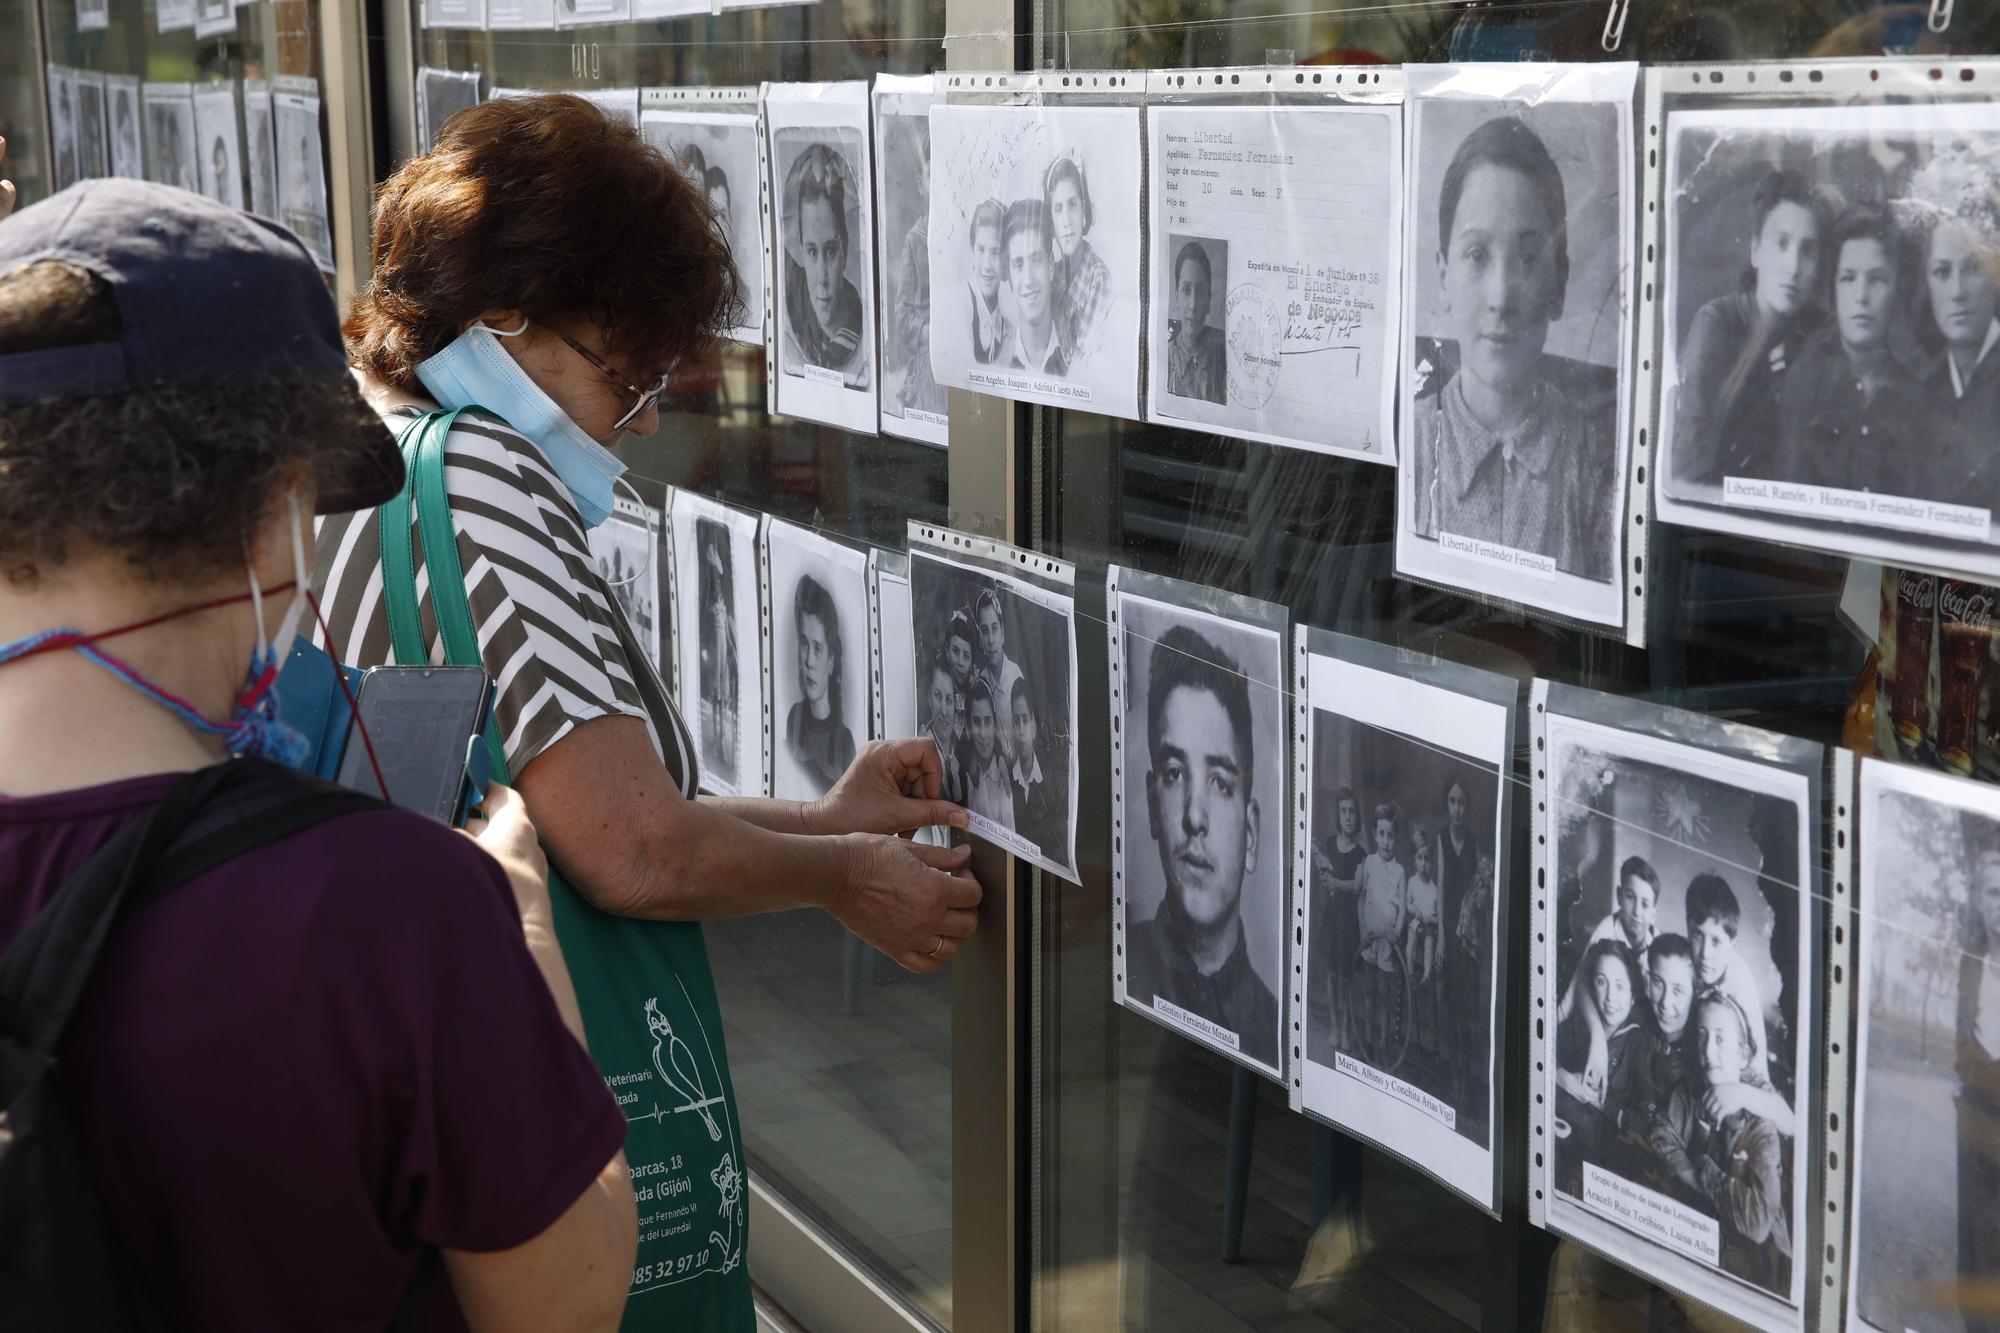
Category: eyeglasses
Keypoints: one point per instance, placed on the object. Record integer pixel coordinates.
(647, 397)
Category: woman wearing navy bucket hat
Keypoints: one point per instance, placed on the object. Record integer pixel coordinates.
(272, 1054)
(537, 277)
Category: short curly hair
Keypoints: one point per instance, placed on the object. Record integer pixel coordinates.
(176, 479)
(549, 206)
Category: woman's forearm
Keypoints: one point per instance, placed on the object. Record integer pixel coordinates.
(703, 860)
(766, 813)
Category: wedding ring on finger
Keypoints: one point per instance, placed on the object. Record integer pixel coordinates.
(935, 948)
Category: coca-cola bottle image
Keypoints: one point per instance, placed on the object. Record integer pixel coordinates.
(1910, 689)
(1965, 624)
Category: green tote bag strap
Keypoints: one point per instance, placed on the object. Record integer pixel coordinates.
(423, 445)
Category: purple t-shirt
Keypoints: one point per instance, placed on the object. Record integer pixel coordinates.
(296, 1070)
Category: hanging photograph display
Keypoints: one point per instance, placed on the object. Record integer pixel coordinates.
(1036, 253)
(454, 14)
(1831, 285)
(93, 160)
(1924, 1238)
(823, 207)
(127, 142)
(817, 618)
(896, 709)
(502, 15)
(93, 15)
(174, 15)
(1403, 897)
(301, 165)
(1516, 364)
(1676, 998)
(212, 18)
(581, 13)
(441, 94)
(1276, 272)
(1008, 644)
(913, 402)
(260, 153)
(170, 136)
(1198, 764)
(62, 123)
(626, 550)
(717, 641)
(718, 149)
(218, 150)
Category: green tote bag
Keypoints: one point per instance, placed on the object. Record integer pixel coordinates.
(650, 1014)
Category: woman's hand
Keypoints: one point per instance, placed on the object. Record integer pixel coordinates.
(912, 901)
(891, 787)
(7, 192)
(503, 830)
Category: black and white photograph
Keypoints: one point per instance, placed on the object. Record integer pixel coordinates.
(718, 151)
(626, 551)
(914, 404)
(618, 103)
(61, 82)
(441, 94)
(1276, 262)
(1831, 313)
(93, 15)
(1404, 922)
(825, 245)
(212, 18)
(889, 612)
(1680, 945)
(1036, 255)
(1516, 371)
(124, 127)
(455, 14)
(302, 168)
(820, 709)
(504, 15)
(170, 136)
(719, 642)
(260, 160)
(996, 689)
(175, 16)
(1199, 876)
(93, 149)
(667, 9)
(219, 152)
(1924, 1250)
(581, 13)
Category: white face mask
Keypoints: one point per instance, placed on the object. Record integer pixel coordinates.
(255, 726)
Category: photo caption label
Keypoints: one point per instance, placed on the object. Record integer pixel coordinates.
(1652, 1214)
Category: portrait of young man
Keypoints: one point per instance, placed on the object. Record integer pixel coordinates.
(1030, 277)
(1203, 815)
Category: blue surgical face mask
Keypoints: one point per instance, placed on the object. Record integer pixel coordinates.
(474, 370)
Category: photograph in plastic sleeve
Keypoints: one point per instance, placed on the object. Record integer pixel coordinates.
(441, 94)
(1000, 653)
(302, 173)
(1677, 1047)
(454, 13)
(824, 209)
(820, 709)
(175, 15)
(502, 15)
(1276, 270)
(718, 151)
(260, 154)
(93, 161)
(1035, 253)
(1406, 862)
(62, 122)
(1925, 1166)
(1203, 855)
(626, 550)
(718, 642)
(891, 610)
(123, 118)
(617, 103)
(1832, 293)
(581, 13)
(667, 9)
(212, 18)
(219, 153)
(1516, 367)
(93, 15)
(914, 404)
(170, 136)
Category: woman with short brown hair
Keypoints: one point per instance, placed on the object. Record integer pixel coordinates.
(545, 269)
